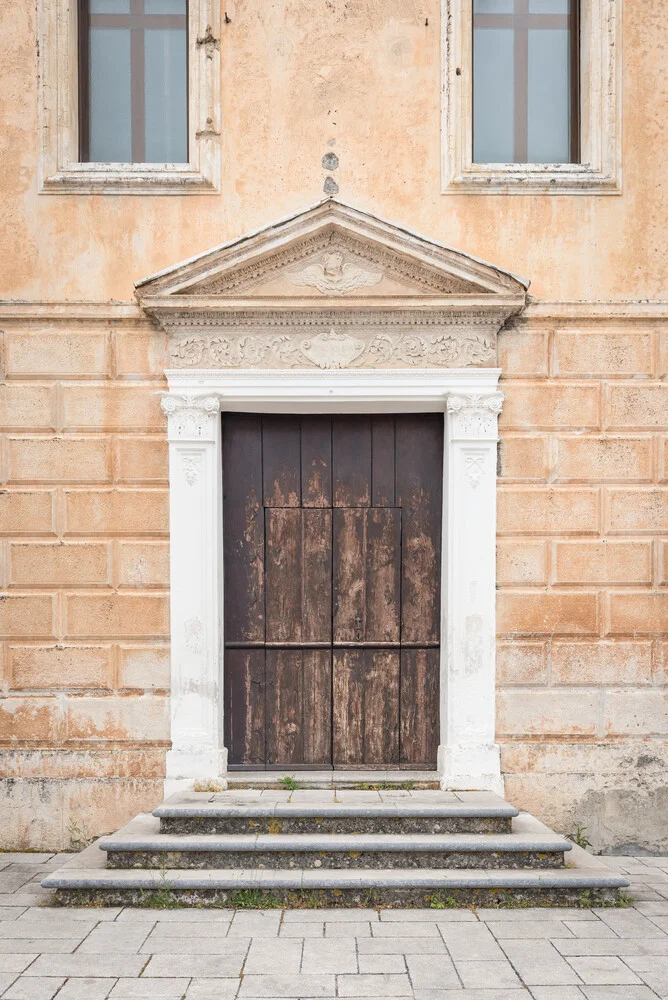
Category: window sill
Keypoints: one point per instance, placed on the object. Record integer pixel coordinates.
(127, 178)
(523, 178)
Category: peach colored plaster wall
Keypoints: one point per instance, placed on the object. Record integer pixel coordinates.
(583, 571)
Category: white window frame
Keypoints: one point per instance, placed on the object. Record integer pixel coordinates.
(600, 112)
(61, 172)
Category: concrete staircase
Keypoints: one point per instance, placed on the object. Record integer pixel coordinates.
(335, 847)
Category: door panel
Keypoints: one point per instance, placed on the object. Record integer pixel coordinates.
(351, 461)
(366, 707)
(298, 575)
(316, 461)
(244, 705)
(281, 459)
(419, 692)
(367, 574)
(299, 684)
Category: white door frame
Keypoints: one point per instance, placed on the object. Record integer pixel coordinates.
(468, 757)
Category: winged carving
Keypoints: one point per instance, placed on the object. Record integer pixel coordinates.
(335, 275)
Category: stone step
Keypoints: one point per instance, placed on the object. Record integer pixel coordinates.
(141, 845)
(335, 811)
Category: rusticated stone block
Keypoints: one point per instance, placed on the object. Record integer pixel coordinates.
(142, 460)
(25, 407)
(117, 615)
(643, 614)
(26, 615)
(637, 510)
(523, 458)
(112, 407)
(144, 667)
(546, 613)
(138, 718)
(59, 460)
(59, 564)
(521, 663)
(521, 563)
(141, 353)
(26, 513)
(37, 667)
(45, 353)
(601, 664)
(636, 713)
(533, 406)
(547, 511)
(627, 353)
(116, 512)
(547, 712)
(523, 352)
(602, 562)
(586, 458)
(31, 719)
(143, 564)
(637, 406)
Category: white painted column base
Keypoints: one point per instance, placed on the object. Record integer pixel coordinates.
(470, 767)
(185, 770)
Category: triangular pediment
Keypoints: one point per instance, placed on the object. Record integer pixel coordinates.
(330, 252)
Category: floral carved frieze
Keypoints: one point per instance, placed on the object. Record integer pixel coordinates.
(449, 348)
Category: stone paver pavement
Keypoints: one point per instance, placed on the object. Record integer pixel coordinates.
(117, 953)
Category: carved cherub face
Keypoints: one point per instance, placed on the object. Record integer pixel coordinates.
(334, 265)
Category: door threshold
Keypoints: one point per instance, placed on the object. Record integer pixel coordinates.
(333, 779)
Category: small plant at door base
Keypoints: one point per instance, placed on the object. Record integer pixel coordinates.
(579, 836)
(212, 785)
(288, 782)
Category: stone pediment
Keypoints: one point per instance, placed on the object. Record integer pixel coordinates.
(332, 287)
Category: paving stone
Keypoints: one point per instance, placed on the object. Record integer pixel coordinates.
(420, 929)
(41, 898)
(89, 989)
(610, 946)
(177, 928)
(661, 920)
(13, 912)
(115, 938)
(535, 913)
(212, 989)
(471, 943)
(335, 955)
(230, 948)
(315, 930)
(381, 963)
(6, 980)
(265, 956)
(263, 923)
(25, 857)
(288, 986)
(383, 985)
(618, 993)
(658, 908)
(85, 913)
(422, 916)
(429, 972)
(590, 929)
(16, 962)
(359, 929)
(526, 929)
(49, 946)
(401, 946)
(202, 966)
(647, 963)
(165, 989)
(338, 916)
(10, 882)
(39, 988)
(49, 926)
(538, 963)
(93, 966)
(603, 970)
(630, 923)
(184, 915)
(556, 993)
(483, 975)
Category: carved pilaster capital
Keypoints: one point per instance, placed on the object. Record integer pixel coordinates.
(189, 417)
(474, 416)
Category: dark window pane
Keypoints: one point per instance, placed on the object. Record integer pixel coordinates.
(549, 97)
(133, 95)
(165, 54)
(110, 114)
(493, 95)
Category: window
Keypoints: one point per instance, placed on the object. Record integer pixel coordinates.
(532, 96)
(129, 96)
(133, 82)
(525, 81)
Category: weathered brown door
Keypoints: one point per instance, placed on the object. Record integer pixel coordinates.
(332, 542)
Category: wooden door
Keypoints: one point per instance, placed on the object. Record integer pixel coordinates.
(332, 541)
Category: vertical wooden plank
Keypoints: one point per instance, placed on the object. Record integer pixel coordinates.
(244, 706)
(419, 480)
(367, 567)
(281, 461)
(382, 461)
(243, 528)
(366, 707)
(299, 575)
(419, 707)
(316, 459)
(298, 707)
(351, 461)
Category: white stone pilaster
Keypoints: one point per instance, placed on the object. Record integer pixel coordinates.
(195, 475)
(468, 757)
